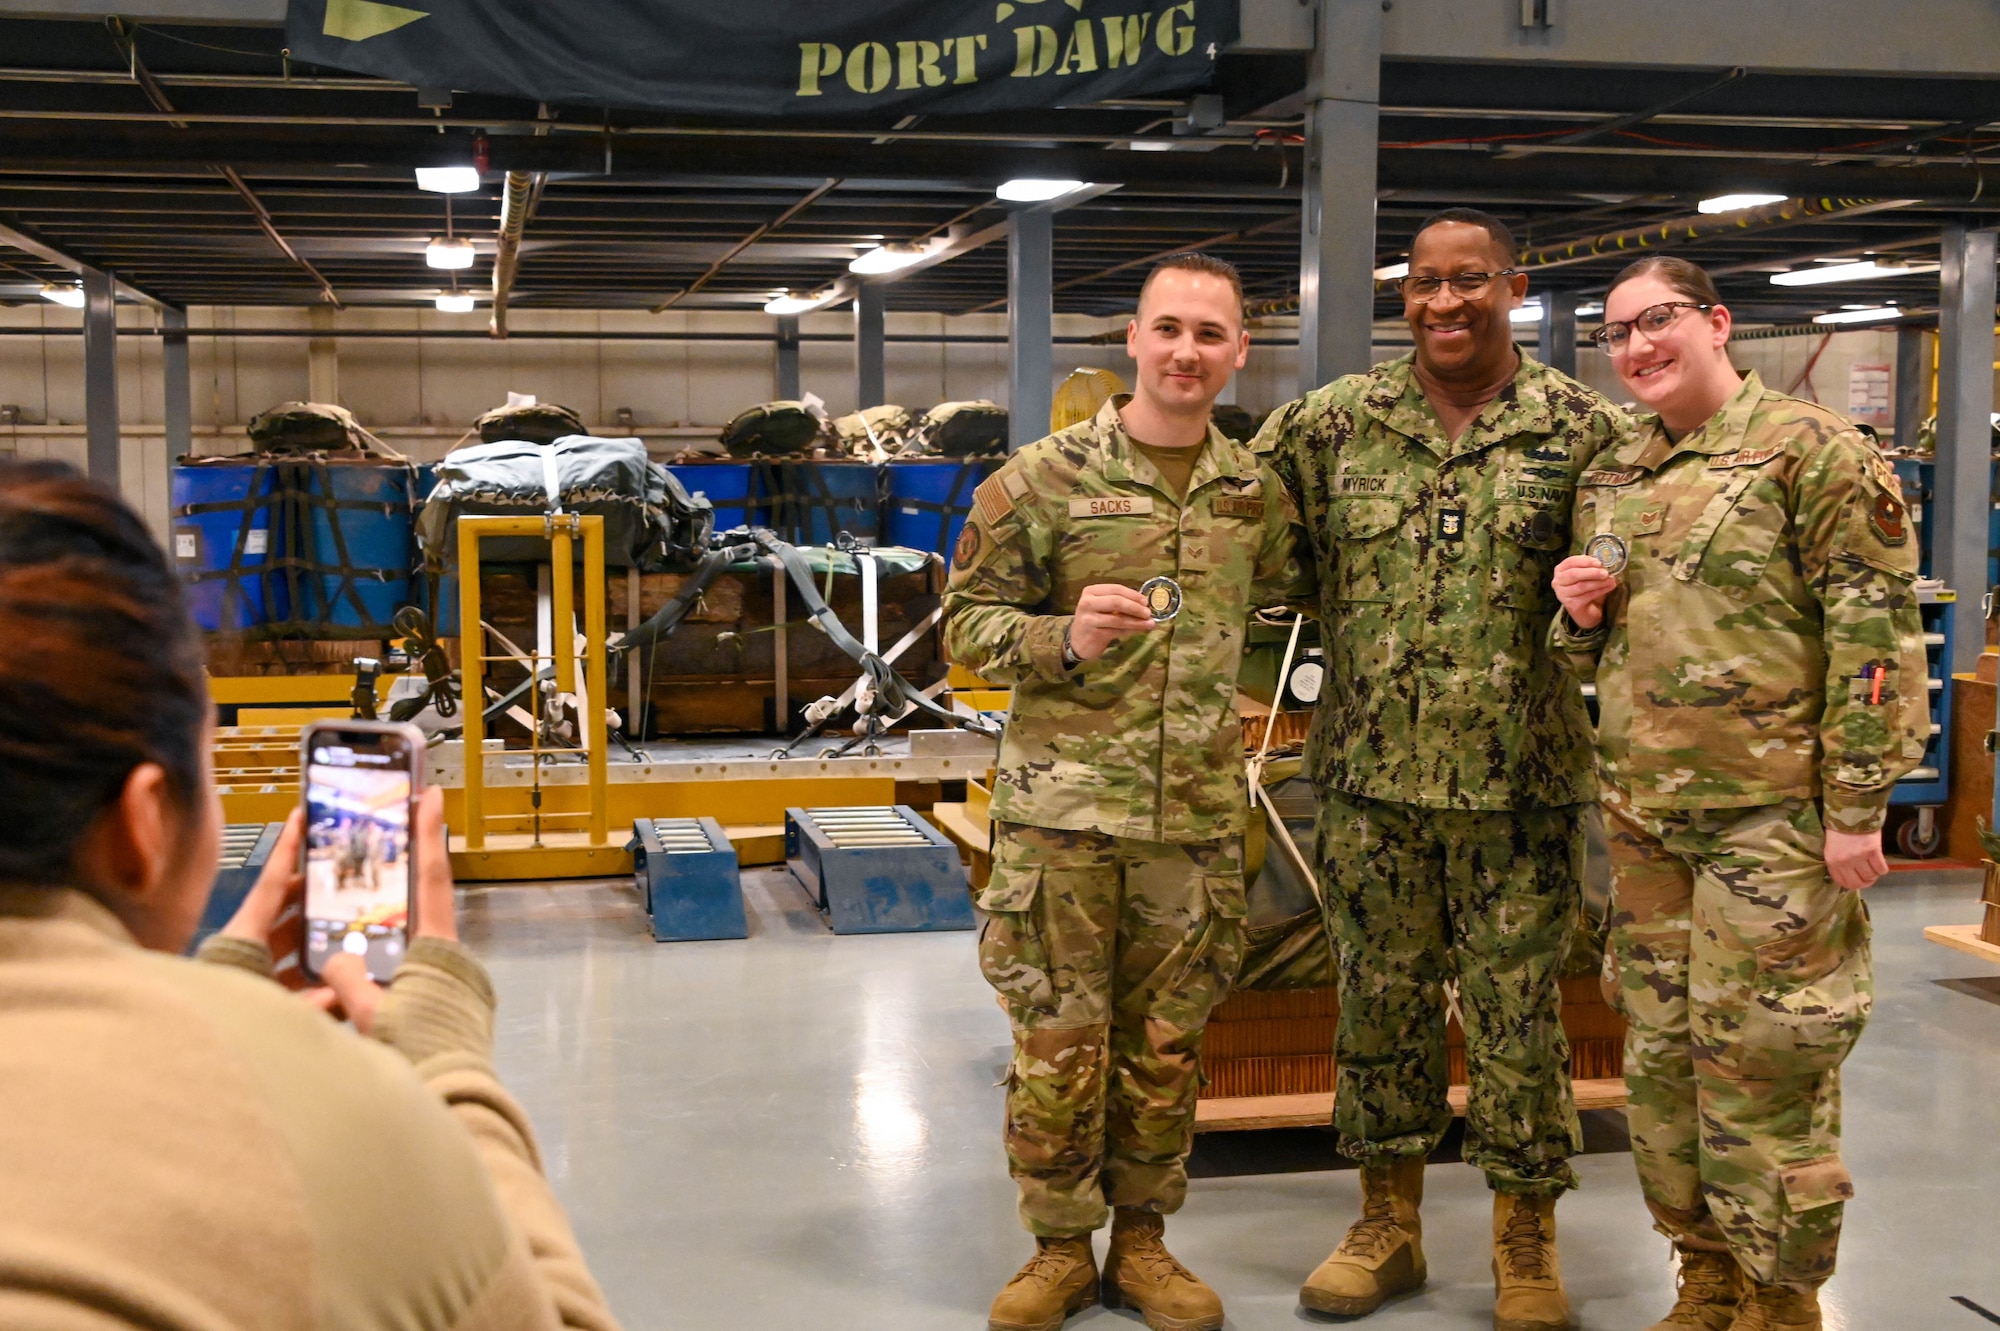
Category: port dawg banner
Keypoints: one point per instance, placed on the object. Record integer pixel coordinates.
(776, 57)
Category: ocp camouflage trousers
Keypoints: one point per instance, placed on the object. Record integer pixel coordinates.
(1416, 897)
(1110, 953)
(1746, 976)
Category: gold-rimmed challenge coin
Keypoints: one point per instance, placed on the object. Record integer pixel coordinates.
(1163, 598)
(1608, 550)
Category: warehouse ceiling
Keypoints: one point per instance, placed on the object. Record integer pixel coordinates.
(204, 167)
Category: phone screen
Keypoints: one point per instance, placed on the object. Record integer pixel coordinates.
(357, 852)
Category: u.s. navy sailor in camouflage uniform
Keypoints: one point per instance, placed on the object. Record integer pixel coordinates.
(1114, 914)
(1452, 758)
(1761, 679)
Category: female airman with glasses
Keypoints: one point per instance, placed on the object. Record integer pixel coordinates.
(1741, 594)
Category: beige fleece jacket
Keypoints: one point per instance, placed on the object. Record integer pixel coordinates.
(187, 1147)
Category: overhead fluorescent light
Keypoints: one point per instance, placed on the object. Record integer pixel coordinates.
(449, 252)
(787, 303)
(1848, 272)
(1876, 315)
(1393, 272)
(1525, 314)
(1028, 189)
(454, 302)
(889, 259)
(448, 179)
(1151, 145)
(1729, 203)
(1595, 307)
(62, 295)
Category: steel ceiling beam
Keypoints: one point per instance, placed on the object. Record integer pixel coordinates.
(122, 38)
(1655, 236)
(764, 229)
(29, 243)
(152, 148)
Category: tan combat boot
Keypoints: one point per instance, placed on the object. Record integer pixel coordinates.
(1140, 1273)
(1527, 1279)
(1059, 1279)
(1776, 1308)
(1711, 1288)
(1383, 1253)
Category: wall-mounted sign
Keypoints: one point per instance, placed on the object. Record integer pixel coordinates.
(776, 57)
(1868, 399)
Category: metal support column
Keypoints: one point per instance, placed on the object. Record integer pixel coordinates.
(175, 394)
(1913, 381)
(1030, 326)
(868, 344)
(1337, 234)
(1964, 502)
(1558, 331)
(788, 358)
(100, 376)
(323, 356)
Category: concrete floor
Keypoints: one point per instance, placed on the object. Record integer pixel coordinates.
(798, 1130)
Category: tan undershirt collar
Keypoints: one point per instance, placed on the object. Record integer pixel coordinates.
(1458, 408)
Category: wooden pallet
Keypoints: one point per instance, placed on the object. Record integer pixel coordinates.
(1243, 1112)
(1964, 938)
(1268, 1056)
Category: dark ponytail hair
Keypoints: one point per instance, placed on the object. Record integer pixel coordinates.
(1684, 276)
(100, 666)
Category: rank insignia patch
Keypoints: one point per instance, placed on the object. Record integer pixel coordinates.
(1451, 525)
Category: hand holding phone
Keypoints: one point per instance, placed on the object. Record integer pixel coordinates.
(361, 783)
(270, 915)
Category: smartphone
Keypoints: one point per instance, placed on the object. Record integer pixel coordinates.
(361, 781)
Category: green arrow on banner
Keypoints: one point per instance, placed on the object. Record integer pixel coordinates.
(358, 20)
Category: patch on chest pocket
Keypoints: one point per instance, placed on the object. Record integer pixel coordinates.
(1451, 525)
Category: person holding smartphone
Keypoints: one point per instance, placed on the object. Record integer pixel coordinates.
(1741, 593)
(188, 1147)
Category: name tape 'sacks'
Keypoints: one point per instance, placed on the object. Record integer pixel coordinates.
(1144, 741)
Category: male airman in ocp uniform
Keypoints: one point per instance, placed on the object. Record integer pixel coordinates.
(1452, 759)
(1107, 574)
(1761, 682)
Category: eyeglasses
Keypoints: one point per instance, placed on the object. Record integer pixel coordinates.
(1613, 336)
(1466, 286)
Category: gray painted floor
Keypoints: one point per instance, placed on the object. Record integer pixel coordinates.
(798, 1130)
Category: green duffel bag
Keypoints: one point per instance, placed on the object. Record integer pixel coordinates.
(872, 430)
(964, 429)
(541, 423)
(306, 427)
(773, 430)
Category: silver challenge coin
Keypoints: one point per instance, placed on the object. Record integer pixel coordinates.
(1163, 598)
(1608, 550)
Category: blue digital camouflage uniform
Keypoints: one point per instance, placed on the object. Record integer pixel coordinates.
(1760, 677)
(1451, 751)
(1114, 914)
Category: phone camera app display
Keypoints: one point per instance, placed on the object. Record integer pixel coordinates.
(357, 857)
